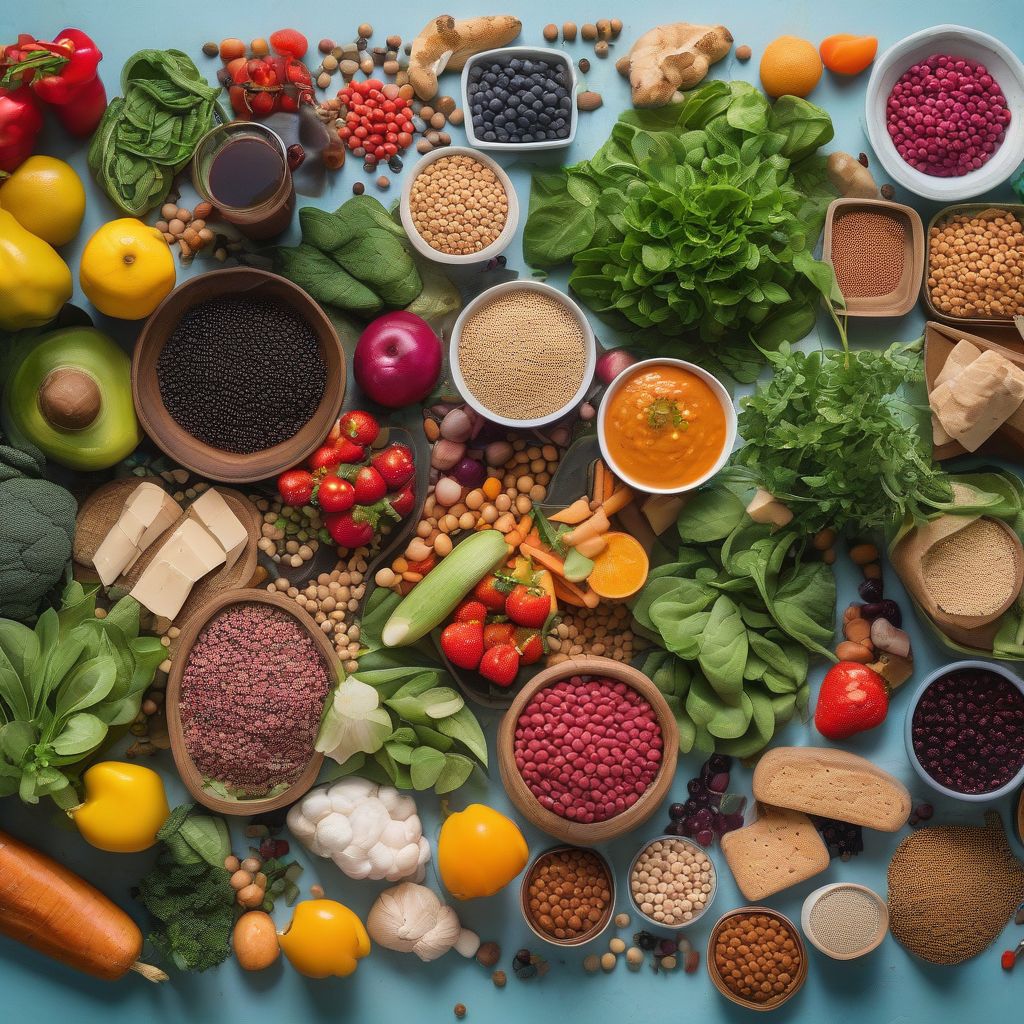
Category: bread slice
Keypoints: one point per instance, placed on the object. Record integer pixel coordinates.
(834, 784)
(780, 849)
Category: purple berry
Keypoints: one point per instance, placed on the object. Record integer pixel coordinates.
(677, 811)
(705, 837)
(719, 783)
(870, 590)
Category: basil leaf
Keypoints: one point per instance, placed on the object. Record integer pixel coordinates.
(464, 728)
(87, 685)
(82, 733)
(432, 738)
(456, 770)
(425, 767)
(15, 740)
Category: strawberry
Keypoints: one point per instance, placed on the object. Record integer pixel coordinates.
(349, 451)
(463, 643)
(327, 456)
(500, 665)
(470, 611)
(403, 502)
(370, 486)
(491, 593)
(528, 606)
(359, 426)
(295, 487)
(395, 464)
(335, 495)
(530, 646)
(289, 42)
(853, 698)
(496, 633)
(347, 530)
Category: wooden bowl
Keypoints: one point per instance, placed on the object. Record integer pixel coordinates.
(190, 631)
(716, 977)
(576, 833)
(524, 901)
(181, 446)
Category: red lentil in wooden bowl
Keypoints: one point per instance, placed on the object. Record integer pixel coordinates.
(245, 696)
(587, 750)
(567, 895)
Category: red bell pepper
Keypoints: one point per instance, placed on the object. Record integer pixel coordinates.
(63, 75)
(21, 121)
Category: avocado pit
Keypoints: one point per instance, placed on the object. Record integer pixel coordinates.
(69, 398)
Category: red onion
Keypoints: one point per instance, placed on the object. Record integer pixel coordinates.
(612, 363)
(947, 116)
(470, 473)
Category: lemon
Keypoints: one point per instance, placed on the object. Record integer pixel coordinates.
(45, 196)
(126, 269)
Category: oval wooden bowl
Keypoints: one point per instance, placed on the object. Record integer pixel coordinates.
(716, 977)
(190, 631)
(189, 451)
(524, 902)
(599, 831)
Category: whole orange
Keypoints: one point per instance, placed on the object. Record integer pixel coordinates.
(790, 67)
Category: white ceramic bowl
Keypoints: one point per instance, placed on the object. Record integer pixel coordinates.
(498, 246)
(501, 56)
(681, 924)
(957, 41)
(589, 342)
(956, 666)
(723, 396)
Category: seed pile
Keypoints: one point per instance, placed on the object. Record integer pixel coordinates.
(252, 694)
(846, 920)
(976, 265)
(569, 893)
(587, 748)
(522, 355)
(868, 253)
(240, 374)
(968, 868)
(947, 115)
(757, 956)
(520, 101)
(458, 205)
(672, 881)
(972, 572)
(968, 730)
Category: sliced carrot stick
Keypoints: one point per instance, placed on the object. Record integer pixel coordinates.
(622, 496)
(610, 483)
(600, 472)
(547, 559)
(593, 527)
(575, 513)
(593, 547)
(525, 524)
(567, 596)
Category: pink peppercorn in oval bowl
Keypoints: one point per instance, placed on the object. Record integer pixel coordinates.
(597, 768)
(300, 638)
(1003, 74)
(980, 753)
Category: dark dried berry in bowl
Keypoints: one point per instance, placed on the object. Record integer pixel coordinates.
(870, 590)
(888, 610)
(968, 731)
(520, 101)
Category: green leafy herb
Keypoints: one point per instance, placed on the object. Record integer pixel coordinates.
(836, 438)
(150, 133)
(665, 411)
(191, 838)
(63, 686)
(735, 616)
(698, 219)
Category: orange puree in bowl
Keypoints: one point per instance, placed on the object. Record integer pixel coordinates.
(665, 427)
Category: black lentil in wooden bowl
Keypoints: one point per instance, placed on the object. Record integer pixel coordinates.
(238, 375)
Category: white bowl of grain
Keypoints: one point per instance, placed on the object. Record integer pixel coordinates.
(522, 354)
(410, 216)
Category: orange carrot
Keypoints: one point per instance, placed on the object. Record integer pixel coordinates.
(51, 910)
(586, 598)
(622, 496)
(593, 547)
(567, 596)
(547, 559)
(600, 472)
(593, 527)
(525, 524)
(575, 513)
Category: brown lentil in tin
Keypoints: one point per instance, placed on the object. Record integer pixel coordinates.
(757, 956)
(569, 893)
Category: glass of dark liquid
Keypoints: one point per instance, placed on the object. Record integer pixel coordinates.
(242, 169)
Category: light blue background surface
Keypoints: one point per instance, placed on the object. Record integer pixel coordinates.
(888, 986)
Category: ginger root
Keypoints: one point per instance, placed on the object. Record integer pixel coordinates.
(669, 59)
(447, 43)
(850, 178)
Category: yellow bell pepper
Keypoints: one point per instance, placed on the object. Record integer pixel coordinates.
(125, 806)
(479, 851)
(325, 939)
(34, 281)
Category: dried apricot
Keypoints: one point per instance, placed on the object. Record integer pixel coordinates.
(846, 54)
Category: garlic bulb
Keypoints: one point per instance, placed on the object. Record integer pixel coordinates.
(410, 918)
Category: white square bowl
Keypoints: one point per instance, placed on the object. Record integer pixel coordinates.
(1002, 65)
(503, 55)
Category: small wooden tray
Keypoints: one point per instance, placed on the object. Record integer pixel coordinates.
(100, 511)
(903, 297)
(190, 631)
(716, 977)
(939, 342)
(599, 831)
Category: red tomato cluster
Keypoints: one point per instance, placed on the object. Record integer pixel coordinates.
(380, 125)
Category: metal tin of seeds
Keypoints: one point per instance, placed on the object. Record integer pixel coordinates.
(676, 926)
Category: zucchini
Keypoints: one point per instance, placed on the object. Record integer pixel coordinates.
(434, 598)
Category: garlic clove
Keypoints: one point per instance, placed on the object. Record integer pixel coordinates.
(424, 847)
(467, 943)
(354, 862)
(382, 859)
(300, 824)
(404, 809)
(407, 859)
(368, 821)
(886, 637)
(316, 805)
(334, 832)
